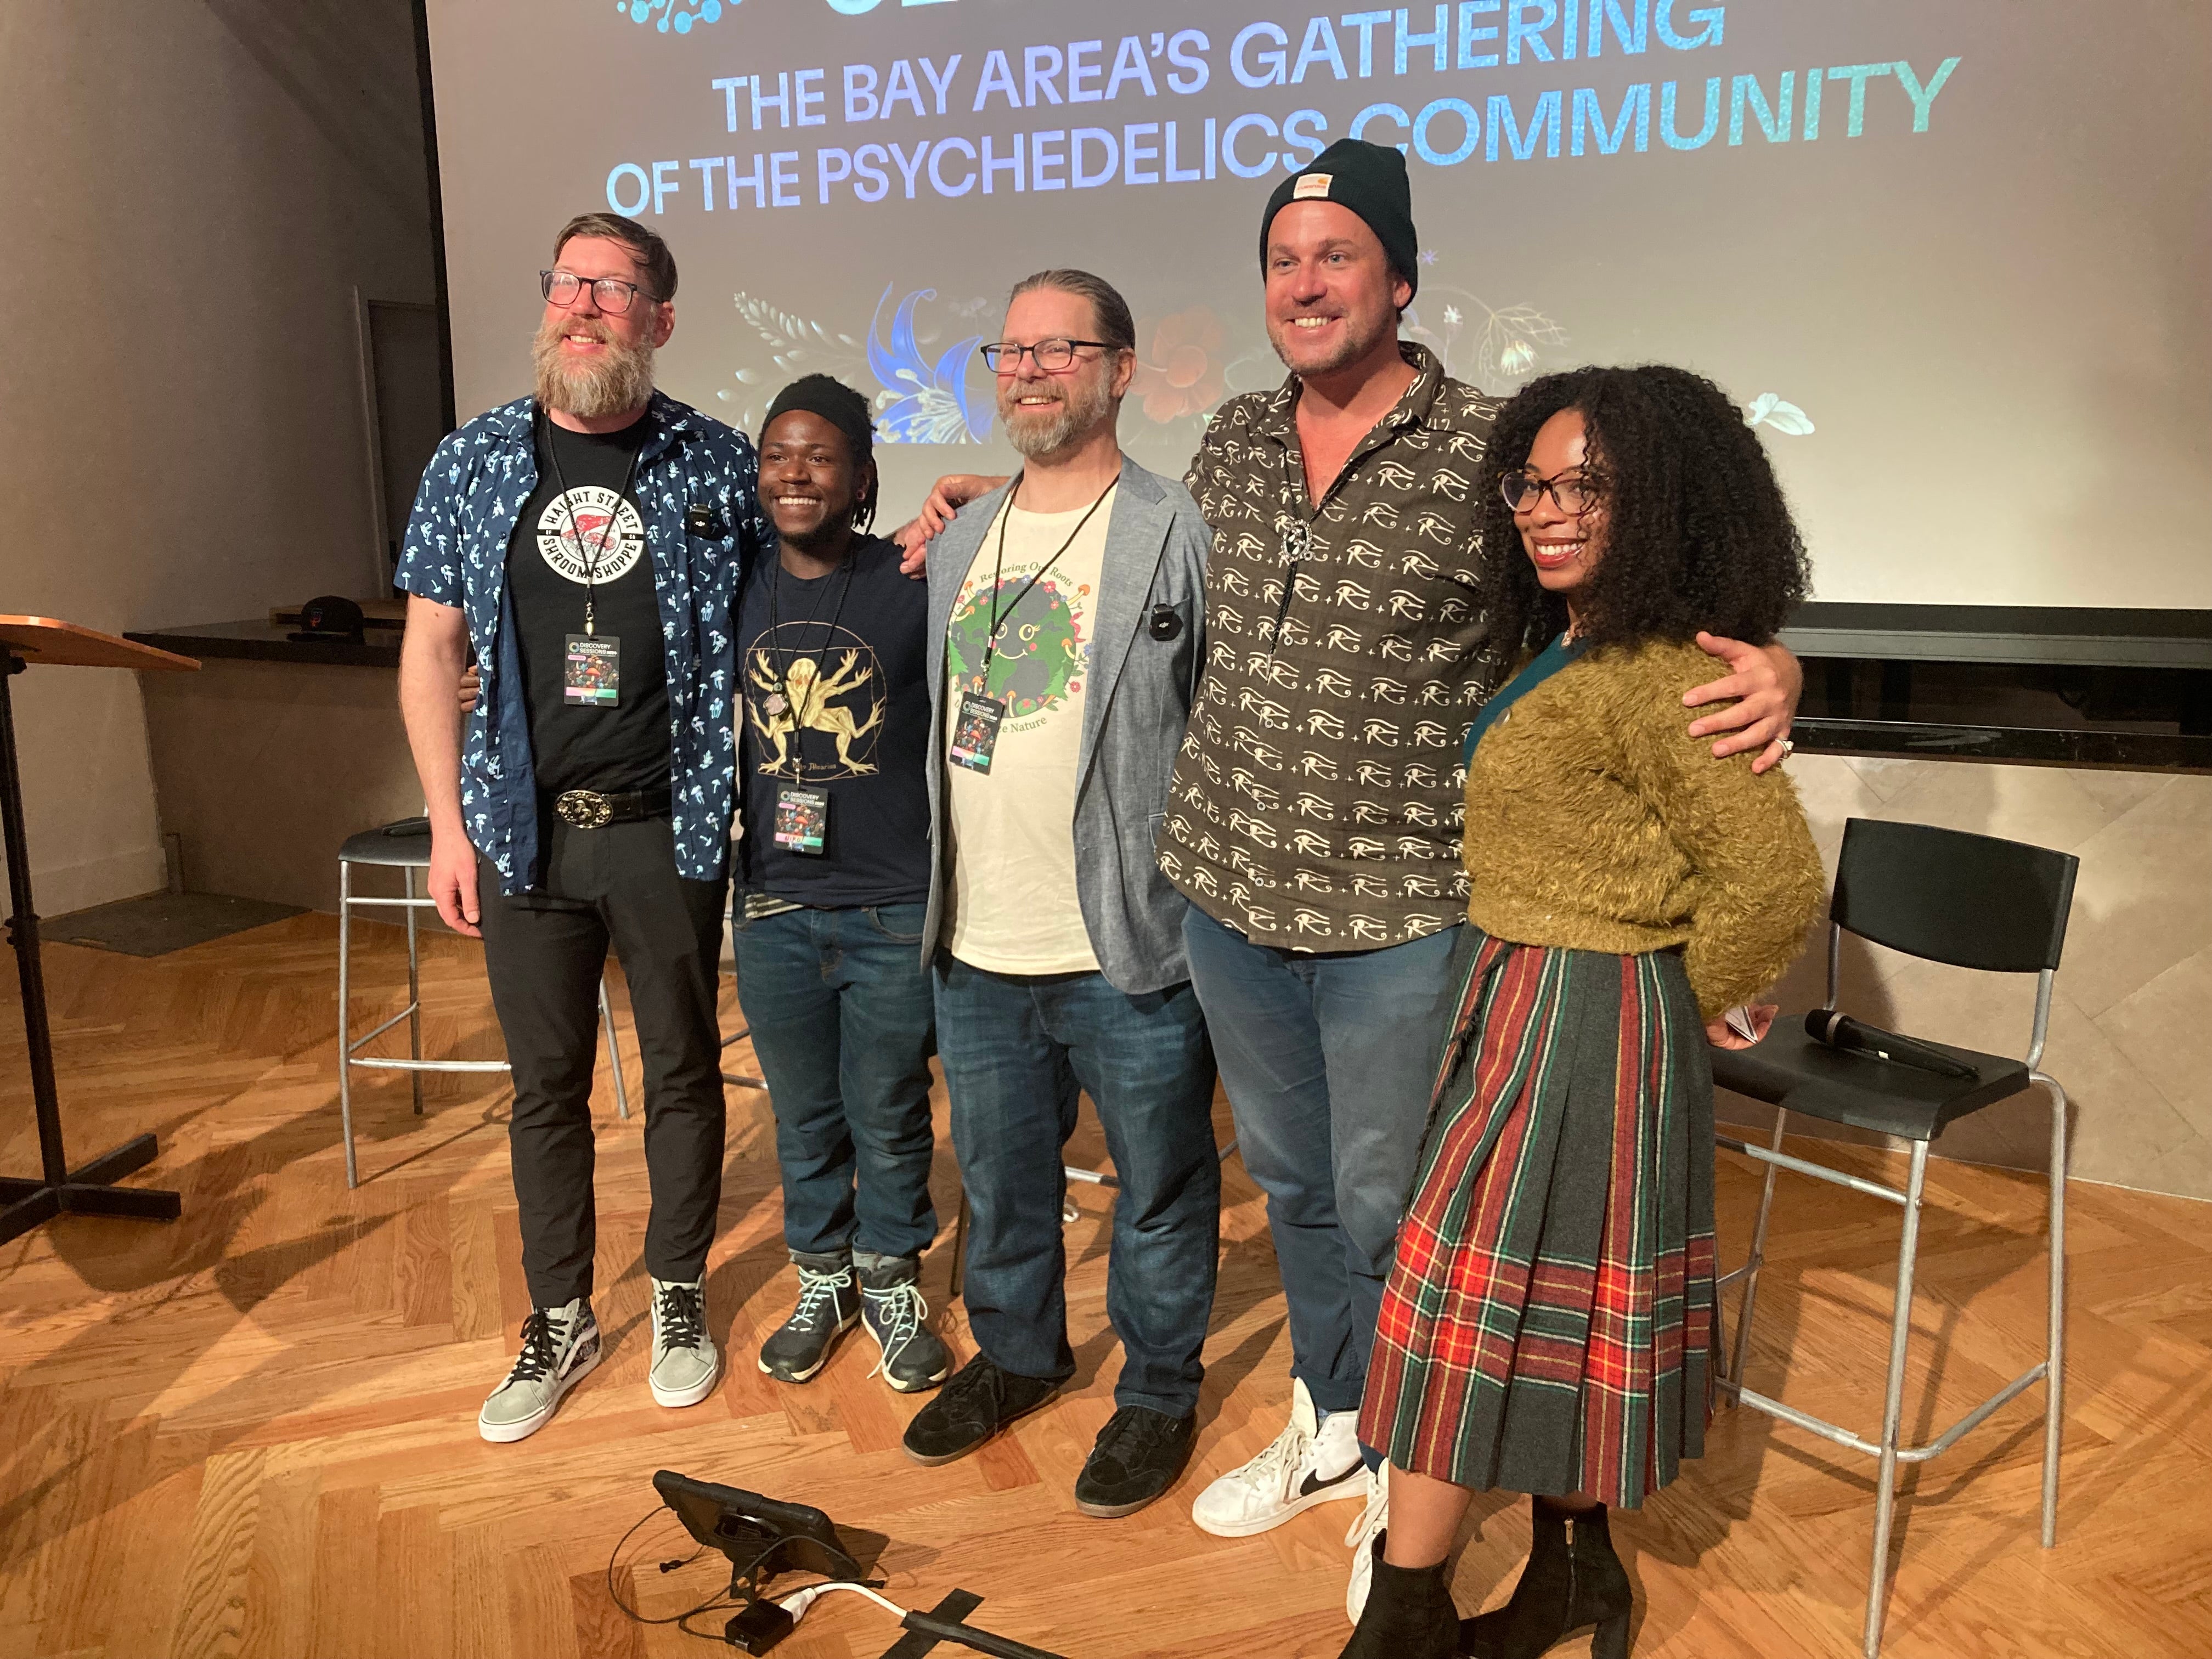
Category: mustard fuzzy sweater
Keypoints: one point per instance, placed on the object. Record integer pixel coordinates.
(1595, 823)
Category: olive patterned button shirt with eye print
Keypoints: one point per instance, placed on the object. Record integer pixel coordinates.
(1316, 804)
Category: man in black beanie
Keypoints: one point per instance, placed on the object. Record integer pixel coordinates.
(832, 880)
(1315, 817)
(1370, 181)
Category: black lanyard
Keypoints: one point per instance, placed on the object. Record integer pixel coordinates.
(614, 520)
(1298, 535)
(999, 618)
(1296, 531)
(790, 655)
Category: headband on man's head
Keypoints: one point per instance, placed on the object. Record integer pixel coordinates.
(835, 403)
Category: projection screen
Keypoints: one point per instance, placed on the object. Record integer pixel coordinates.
(1951, 257)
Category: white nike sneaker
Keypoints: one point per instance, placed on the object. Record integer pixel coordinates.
(1372, 1520)
(1309, 1464)
(560, 1349)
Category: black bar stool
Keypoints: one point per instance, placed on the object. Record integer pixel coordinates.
(1971, 902)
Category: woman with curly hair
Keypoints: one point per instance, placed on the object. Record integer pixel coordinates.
(1549, 1322)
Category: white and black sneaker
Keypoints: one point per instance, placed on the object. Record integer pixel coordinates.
(686, 1364)
(1361, 1542)
(560, 1349)
(1310, 1462)
(829, 1306)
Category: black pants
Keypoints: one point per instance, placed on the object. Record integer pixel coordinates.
(545, 953)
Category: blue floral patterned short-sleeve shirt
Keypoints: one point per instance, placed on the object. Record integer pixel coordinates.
(697, 489)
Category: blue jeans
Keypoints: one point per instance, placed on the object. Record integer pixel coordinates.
(1016, 1048)
(1330, 1061)
(842, 1019)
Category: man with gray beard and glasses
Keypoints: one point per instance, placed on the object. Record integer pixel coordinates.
(1067, 639)
(586, 542)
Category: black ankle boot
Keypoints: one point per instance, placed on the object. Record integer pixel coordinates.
(1409, 1614)
(1564, 1587)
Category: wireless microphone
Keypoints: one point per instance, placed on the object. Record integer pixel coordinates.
(1840, 1032)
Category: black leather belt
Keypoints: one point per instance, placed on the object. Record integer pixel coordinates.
(587, 808)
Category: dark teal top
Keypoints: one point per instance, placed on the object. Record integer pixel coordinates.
(1541, 667)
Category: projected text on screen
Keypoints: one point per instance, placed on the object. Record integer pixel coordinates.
(1325, 57)
(1949, 262)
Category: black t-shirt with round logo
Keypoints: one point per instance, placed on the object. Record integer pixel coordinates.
(580, 534)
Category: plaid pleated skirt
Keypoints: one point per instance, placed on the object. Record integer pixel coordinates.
(1548, 1325)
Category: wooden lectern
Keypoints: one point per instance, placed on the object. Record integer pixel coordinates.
(88, 1189)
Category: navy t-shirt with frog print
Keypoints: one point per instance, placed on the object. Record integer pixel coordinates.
(834, 698)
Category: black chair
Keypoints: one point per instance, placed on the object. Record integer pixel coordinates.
(1971, 902)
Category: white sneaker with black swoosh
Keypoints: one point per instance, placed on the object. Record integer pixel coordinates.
(1361, 1542)
(1310, 1462)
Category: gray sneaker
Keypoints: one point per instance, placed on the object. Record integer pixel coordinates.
(686, 1364)
(829, 1303)
(560, 1349)
(912, 1357)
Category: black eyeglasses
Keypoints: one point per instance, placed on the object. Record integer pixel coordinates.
(611, 294)
(1052, 355)
(1573, 495)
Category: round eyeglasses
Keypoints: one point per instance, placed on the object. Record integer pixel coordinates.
(1574, 493)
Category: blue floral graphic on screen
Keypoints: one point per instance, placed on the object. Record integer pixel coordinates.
(928, 401)
(924, 395)
(678, 14)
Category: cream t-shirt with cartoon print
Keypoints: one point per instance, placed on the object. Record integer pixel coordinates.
(1013, 902)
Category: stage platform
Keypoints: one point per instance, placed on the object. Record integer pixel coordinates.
(252, 1432)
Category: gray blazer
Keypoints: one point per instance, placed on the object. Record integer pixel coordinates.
(1135, 706)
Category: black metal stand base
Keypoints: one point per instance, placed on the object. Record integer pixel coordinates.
(86, 1191)
(59, 1190)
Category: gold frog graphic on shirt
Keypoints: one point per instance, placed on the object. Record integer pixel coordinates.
(801, 699)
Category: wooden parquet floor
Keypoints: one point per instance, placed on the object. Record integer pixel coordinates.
(252, 1432)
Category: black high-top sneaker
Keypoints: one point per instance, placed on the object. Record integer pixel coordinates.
(829, 1306)
(912, 1358)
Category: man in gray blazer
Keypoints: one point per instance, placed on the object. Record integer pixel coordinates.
(1066, 633)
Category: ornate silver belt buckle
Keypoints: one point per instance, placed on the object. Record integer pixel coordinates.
(585, 809)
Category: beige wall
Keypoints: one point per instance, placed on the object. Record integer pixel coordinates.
(264, 768)
(194, 189)
(2131, 1021)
